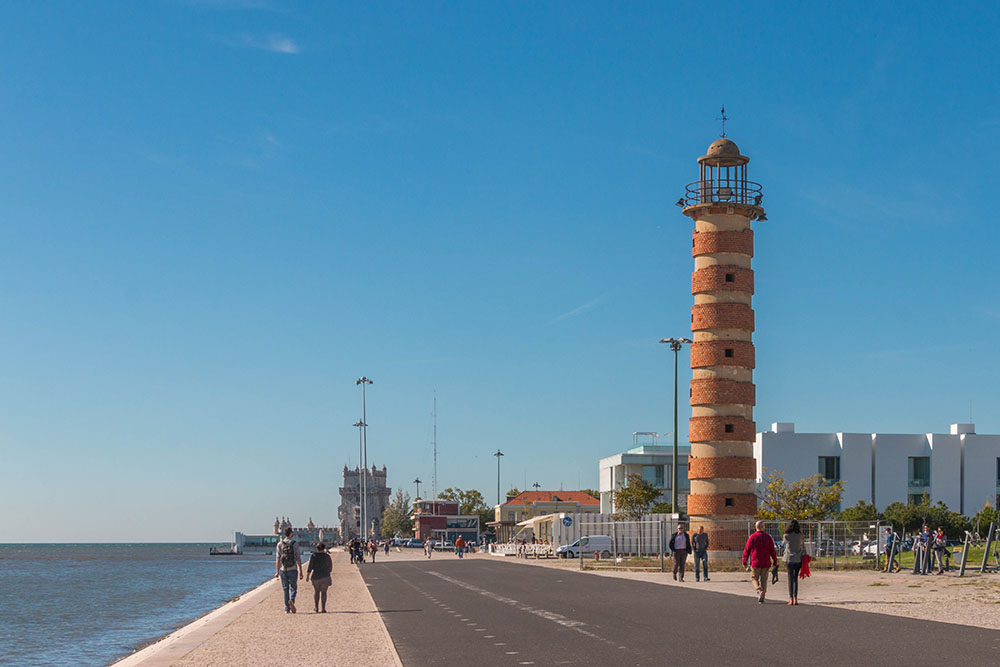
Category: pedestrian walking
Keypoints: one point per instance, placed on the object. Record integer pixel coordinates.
(699, 543)
(288, 560)
(759, 554)
(891, 564)
(940, 548)
(460, 546)
(320, 569)
(428, 547)
(372, 548)
(794, 548)
(385, 548)
(680, 547)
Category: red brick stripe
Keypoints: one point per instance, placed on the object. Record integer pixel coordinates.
(713, 353)
(707, 504)
(721, 316)
(709, 391)
(713, 429)
(725, 467)
(713, 279)
(730, 241)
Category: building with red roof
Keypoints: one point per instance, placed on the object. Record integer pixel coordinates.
(531, 504)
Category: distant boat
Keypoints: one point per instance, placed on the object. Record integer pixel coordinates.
(231, 550)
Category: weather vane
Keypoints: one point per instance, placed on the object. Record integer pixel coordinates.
(723, 118)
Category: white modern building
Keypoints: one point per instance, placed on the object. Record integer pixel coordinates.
(960, 468)
(651, 460)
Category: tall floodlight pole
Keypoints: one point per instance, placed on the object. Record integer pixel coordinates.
(361, 448)
(417, 482)
(364, 382)
(675, 344)
(498, 455)
(537, 486)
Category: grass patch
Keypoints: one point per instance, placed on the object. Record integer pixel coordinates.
(878, 583)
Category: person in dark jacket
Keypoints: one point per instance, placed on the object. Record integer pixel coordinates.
(320, 569)
(680, 547)
(699, 542)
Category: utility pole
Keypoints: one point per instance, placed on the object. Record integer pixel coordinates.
(361, 506)
(363, 381)
(498, 455)
(675, 344)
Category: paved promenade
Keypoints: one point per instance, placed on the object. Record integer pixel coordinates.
(499, 611)
(261, 633)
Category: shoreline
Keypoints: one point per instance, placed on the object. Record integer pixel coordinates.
(190, 635)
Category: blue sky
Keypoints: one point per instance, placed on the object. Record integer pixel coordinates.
(215, 215)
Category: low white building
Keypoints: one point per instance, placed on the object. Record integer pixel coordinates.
(651, 460)
(961, 468)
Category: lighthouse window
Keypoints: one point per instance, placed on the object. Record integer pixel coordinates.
(729, 428)
(730, 277)
(729, 502)
(729, 352)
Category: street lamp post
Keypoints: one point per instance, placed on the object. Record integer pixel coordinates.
(361, 484)
(363, 381)
(675, 344)
(417, 482)
(498, 455)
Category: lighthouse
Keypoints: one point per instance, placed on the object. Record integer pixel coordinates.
(722, 203)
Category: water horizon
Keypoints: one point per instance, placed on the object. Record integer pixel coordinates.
(135, 592)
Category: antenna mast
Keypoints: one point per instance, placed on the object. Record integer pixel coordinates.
(434, 479)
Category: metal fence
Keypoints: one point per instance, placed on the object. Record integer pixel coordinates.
(632, 545)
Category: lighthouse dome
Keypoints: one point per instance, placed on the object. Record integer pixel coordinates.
(723, 148)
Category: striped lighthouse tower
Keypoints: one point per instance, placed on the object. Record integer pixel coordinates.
(722, 470)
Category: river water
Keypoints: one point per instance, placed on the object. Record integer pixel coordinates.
(91, 604)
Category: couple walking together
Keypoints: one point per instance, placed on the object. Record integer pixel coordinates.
(760, 555)
(288, 568)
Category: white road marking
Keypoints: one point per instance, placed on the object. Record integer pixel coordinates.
(543, 613)
(511, 652)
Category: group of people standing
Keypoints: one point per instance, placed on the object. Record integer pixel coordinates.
(358, 548)
(759, 556)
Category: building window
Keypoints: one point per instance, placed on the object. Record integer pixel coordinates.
(730, 278)
(653, 475)
(919, 473)
(729, 428)
(729, 502)
(729, 352)
(829, 467)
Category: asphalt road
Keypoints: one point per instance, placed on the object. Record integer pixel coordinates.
(482, 612)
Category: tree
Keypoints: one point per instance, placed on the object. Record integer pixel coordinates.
(913, 516)
(860, 512)
(592, 492)
(661, 508)
(809, 499)
(634, 497)
(981, 522)
(396, 519)
(512, 493)
(469, 501)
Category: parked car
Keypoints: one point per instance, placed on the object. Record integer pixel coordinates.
(588, 545)
(413, 543)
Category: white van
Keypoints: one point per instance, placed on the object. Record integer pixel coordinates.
(588, 545)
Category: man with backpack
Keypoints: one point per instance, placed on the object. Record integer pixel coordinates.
(288, 560)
